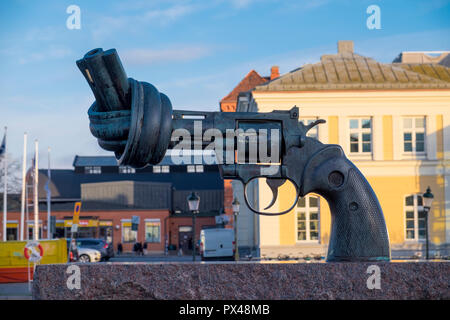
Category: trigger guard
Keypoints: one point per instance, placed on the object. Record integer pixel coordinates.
(271, 214)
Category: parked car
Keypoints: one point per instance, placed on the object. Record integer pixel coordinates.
(88, 255)
(217, 244)
(81, 254)
(106, 249)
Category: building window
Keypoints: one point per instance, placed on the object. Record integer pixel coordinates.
(126, 169)
(12, 231)
(128, 235)
(414, 218)
(313, 132)
(153, 231)
(360, 135)
(308, 219)
(156, 169)
(414, 135)
(30, 227)
(198, 168)
(159, 169)
(93, 170)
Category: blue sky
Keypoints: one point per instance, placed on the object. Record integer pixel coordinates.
(194, 51)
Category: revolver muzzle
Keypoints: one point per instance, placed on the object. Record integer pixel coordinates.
(130, 117)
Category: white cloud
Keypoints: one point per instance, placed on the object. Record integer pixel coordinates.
(53, 52)
(153, 56)
(169, 14)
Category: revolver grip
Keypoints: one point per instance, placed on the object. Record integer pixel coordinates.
(358, 228)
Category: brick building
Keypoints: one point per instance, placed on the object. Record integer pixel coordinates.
(111, 195)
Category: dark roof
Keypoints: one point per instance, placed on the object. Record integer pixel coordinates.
(66, 184)
(110, 161)
(97, 161)
(13, 200)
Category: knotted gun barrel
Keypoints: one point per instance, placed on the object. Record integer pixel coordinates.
(136, 121)
(126, 112)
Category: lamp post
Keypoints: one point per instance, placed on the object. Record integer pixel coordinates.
(427, 201)
(235, 205)
(193, 201)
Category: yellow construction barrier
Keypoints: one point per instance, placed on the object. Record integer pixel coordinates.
(14, 265)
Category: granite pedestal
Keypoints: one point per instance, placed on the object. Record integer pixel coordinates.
(244, 281)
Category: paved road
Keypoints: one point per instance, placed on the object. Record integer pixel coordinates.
(153, 258)
(14, 291)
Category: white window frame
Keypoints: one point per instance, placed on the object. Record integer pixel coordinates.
(17, 228)
(156, 169)
(307, 210)
(199, 168)
(30, 224)
(158, 221)
(360, 131)
(92, 170)
(413, 131)
(122, 225)
(416, 209)
(126, 169)
(165, 169)
(190, 168)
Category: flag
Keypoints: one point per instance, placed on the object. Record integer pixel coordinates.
(3, 145)
(47, 186)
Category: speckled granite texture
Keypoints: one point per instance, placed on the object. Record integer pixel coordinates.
(244, 281)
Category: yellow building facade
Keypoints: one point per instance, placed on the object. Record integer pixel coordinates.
(393, 122)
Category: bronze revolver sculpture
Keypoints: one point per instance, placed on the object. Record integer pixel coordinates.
(135, 121)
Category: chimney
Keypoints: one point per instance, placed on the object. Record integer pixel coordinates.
(345, 46)
(274, 72)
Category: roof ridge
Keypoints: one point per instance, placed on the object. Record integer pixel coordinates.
(392, 75)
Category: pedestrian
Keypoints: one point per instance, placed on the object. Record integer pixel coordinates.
(141, 249)
(135, 248)
(145, 248)
(119, 248)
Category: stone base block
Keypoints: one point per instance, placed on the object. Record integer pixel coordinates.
(243, 281)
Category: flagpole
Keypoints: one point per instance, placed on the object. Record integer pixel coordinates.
(49, 235)
(24, 183)
(35, 193)
(5, 190)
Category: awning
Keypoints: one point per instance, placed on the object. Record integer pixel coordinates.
(82, 223)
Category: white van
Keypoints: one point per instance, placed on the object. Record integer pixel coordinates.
(217, 244)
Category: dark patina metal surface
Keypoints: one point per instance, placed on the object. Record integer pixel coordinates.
(135, 121)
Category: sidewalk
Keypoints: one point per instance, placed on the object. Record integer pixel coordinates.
(15, 291)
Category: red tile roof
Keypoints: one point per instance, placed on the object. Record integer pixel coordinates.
(251, 80)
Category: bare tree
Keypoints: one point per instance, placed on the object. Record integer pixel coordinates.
(14, 175)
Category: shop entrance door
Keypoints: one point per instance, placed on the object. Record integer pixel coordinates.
(106, 232)
(185, 238)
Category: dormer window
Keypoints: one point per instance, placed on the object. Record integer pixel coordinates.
(161, 169)
(127, 170)
(93, 170)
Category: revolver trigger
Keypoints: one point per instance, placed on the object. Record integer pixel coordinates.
(274, 184)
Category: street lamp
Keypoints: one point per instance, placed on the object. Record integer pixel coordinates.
(427, 201)
(235, 204)
(193, 201)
